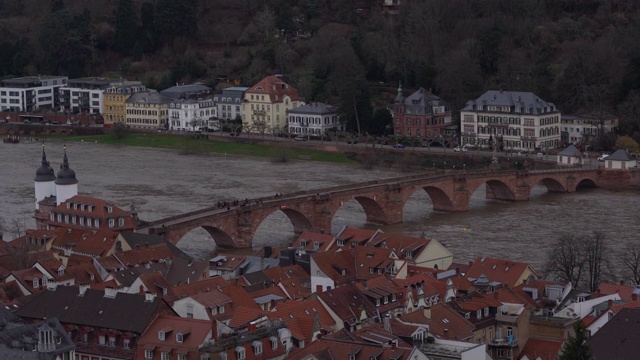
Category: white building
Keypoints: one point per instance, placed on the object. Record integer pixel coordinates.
(192, 115)
(313, 119)
(30, 93)
(579, 129)
(84, 95)
(619, 160)
(520, 120)
(229, 102)
(570, 156)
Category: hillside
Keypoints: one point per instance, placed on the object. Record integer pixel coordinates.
(582, 55)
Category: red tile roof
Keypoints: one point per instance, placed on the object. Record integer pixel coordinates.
(504, 271)
(539, 348)
(300, 317)
(145, 254)
(88, 242)
(202, 286)
(354, 236)
(338, 266)
(309, 238)
(194, 334)
(267, 353)
(625, 291)
(347, 302)
(93, 208)
(328, 349)
(443, 321)
(275, 88)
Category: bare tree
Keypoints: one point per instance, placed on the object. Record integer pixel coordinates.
(630, 258)
(581, 259)
(565, 260)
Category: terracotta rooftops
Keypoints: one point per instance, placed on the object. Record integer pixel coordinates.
(276, 88)
(503, 271)
(540, 349)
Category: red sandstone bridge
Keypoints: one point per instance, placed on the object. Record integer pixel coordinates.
(382, 200)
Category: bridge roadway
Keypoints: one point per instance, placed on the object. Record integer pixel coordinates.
(383, 201)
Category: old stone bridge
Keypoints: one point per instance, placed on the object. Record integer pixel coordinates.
(382, 200)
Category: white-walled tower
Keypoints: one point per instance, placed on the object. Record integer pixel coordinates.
(66, 183)
(44, 182)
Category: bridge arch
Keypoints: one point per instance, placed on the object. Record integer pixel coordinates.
(552, 184)
(585, 182)
(495, 189)
(440, 199)
(220, 237)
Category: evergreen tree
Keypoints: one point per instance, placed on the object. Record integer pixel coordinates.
(575, 348)
(126, 27)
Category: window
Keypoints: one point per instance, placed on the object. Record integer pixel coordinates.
(221, 309)
(479, 314)
(499, 352)
(274, 343)
(486, 311)
(126, 343)
(166, 355)
(148, 354)
(161, 335)
(190, 311)
(214, 310)
(257, 347)
(182, 357)
(241, 354)
(85, 337)
(112, 223)
(112, 341)
(179, 337)
(36, 283)
(102, 340)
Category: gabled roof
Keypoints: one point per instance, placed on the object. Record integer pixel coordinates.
(96, 242)
(339, 266)
(503, 271)
(619, 337)
(184, 290)
(313, 241)
(625, 291)
(194, 334)
(314, 108)
(443, 321)
(95, 208)
(300, 317)
(347, 302)
(148, 97)
(328, 349)
(619, 155)
(275, 88)
(541, 348)
(145, 254)
(571, 150)
(125, 312)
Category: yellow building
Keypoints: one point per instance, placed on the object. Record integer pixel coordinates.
(115, 99)
(147, 110)
(266, 103)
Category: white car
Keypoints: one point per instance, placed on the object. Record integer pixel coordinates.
(603, 157)
(458, 149)
(300, 138)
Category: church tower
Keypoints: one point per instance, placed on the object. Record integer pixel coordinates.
(44, 181)
(66, 183)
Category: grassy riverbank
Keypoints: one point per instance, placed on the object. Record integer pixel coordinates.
(188, 146)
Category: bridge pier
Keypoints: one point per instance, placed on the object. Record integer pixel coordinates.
(459, 201)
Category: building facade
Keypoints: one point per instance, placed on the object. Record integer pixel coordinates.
(421, 114)
(30, 93)
(229, 102)
(115, 100)
(511, 120)
(314, 119)
(580, 129)
(147, 110)
(84, 95)
(266, 103)
(192, 91)
(191, 115)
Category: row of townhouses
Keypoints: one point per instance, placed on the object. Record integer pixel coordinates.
(509, 119)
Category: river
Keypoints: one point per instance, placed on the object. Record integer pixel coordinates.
(162, 182)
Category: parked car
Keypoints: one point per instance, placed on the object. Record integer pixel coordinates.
(399, 146)
(300, 138)
(460, 149)
(603, 157)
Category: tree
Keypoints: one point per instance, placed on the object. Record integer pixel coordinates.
(630, 112)
(380, 120)
(627, 143)
(630, 259)
(582, 259)
(126, 24)
(575, 347)
(119, 130)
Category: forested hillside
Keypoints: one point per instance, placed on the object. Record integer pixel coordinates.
(584, 55)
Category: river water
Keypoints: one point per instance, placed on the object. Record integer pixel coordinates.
(163, 182)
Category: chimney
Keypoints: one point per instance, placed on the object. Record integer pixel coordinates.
(110, 292)
(427, 312)
(457, 270)
(82, 289)
(387, 322)
(609, 303)
(149, 296)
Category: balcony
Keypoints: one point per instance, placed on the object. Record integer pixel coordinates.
(505, 318)
(260, 112)
(504, 342)
(528, 138)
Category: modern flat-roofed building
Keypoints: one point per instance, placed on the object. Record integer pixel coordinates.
(85, 95)
(512, 120)
(30, 93)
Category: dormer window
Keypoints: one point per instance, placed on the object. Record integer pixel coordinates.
(257, 347)
(467, 315)
(109, 209)
(82, 207)
(221, 309)
(148, 354)
(303, 242)
(340, 242)
(479, 314)
(214, 310)
(486, 311)
(112, 223)
(352, 356)
(36, 283)
(45, 281)
(121, 222)
(240, 353)
(68, 205)
(161, 335)
(179, 338)
(61, 271)
(274, 343)
(165, 355)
